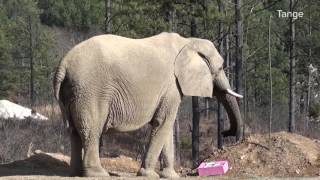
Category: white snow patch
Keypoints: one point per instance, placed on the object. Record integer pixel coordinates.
(11, 110)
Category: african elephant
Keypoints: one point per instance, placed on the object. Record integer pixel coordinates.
(113, 82)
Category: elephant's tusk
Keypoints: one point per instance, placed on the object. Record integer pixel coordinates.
(229, 91)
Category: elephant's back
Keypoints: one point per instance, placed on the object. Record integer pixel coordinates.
(136, 59)
(103, 58)
(109, 50)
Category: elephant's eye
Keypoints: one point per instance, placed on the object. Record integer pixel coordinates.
(221, 68)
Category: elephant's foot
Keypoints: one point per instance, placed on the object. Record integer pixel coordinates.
(94, 172)
(169, 173)
(150, 173)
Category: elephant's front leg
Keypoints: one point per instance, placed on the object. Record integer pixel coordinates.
(162, 135)
(155, 146)
(168, 152)
(161, 138)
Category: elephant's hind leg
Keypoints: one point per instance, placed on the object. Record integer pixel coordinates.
(76, 154)
(89, 123)
(91, 162)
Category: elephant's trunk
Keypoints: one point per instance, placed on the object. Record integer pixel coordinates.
(231, 105)
(227, 97)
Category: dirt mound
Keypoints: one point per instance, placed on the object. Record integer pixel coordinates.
(56, 164)
(283, 155)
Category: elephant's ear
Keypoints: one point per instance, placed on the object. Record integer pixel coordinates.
(193, 73)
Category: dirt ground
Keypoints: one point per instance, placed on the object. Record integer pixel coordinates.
(281, 155)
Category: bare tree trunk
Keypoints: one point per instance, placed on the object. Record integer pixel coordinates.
(309, 89)
(309, 75)
(254, 99)
(207, 108)
(239, 46)
(227, 56)
(172, 14)
(228, 62)
(239, 49)
(195, 109)
(177, 142)
(108, 23)
(270, 78)
(220, 107)
(205, 23)
(245, 88)
(208, 102)
(32, 93)
(292, 104)
(195, 131)
(246, 48)
(308, 100)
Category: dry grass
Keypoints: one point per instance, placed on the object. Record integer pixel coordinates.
(20, 138)
(52, 111)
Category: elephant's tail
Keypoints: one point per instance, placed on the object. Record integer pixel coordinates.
(58, 79)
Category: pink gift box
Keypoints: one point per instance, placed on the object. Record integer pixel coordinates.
(213, 168)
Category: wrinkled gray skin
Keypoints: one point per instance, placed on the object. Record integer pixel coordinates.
(113, 82)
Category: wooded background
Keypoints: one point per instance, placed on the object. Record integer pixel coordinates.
(272, 61)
